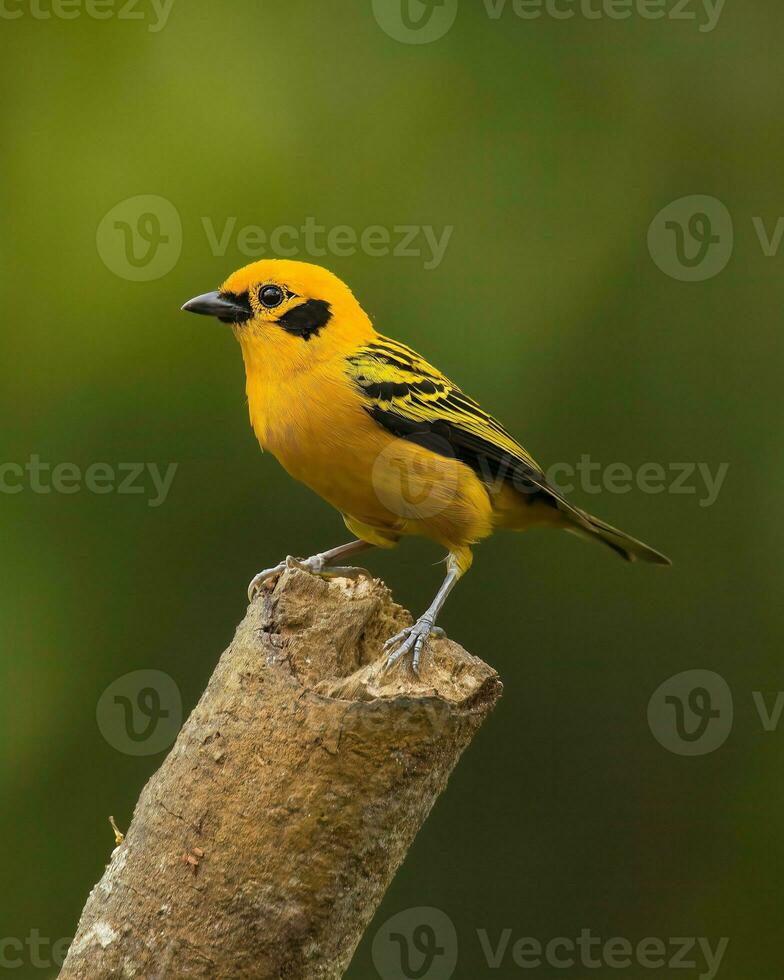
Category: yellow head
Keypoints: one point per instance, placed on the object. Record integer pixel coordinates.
(287, 315)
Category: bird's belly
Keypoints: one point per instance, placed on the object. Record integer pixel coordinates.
(382, 481)
(320, 453)
(341, 475)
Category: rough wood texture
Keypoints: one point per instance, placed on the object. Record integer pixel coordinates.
(296, 785)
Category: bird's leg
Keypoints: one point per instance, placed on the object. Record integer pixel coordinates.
(414, 637)
(320, 564)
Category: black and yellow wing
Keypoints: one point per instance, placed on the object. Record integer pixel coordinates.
(414, 400)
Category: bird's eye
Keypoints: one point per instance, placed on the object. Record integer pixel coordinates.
(271, 296)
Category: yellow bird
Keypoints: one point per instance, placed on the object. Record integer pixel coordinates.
(381, 434)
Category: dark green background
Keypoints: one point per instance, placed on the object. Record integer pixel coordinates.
(549, 146)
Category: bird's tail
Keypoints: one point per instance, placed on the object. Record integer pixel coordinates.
(587, 526)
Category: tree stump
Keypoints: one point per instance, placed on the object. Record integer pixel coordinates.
(265, 842)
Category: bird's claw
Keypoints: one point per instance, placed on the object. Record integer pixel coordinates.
(315, 565)
(258, 580)
(318, 566)
(411, 638)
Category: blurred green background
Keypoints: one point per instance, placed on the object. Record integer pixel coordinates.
(549, 146)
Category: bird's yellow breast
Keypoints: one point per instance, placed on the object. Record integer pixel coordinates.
(316, 430)
(315, 425)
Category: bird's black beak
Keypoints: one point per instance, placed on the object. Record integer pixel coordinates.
(228, 309)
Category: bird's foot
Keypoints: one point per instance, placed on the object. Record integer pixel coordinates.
(317, 565)
(258, 580)
(412, 638)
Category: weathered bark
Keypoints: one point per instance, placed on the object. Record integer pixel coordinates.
(296, 786)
